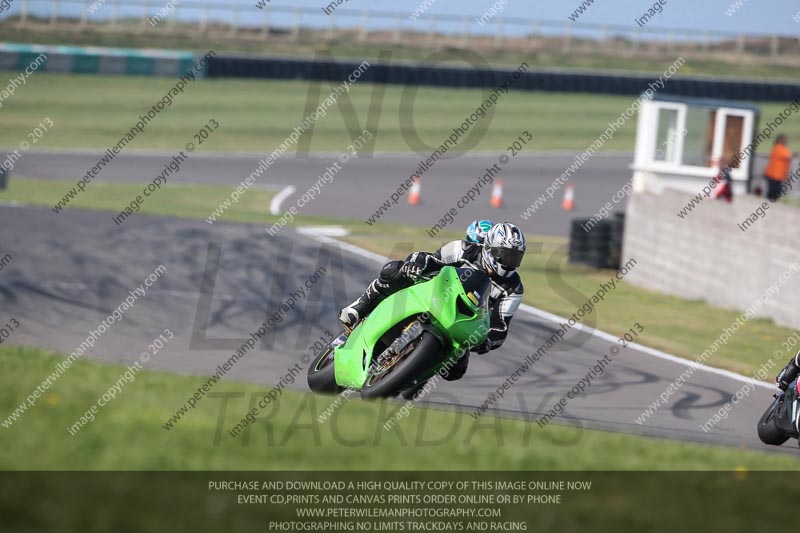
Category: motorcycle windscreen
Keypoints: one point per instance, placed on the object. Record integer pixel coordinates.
(476, 284)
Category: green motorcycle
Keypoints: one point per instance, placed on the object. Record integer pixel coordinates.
(408, 338)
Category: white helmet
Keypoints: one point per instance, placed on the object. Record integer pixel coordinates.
(504, 248)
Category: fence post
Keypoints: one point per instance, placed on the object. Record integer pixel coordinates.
(567, 40)
(173, 18)
(534, 33)
(23, 17)
(54, 12)
(202, 24)
(84, 14)
(398, 29)
(775, 46)
(499, 36)
(265, 26)
(329, 28)
(362, 34)
(143, 25)
(432, 30)
(114, 15)
(234, 29)
(740, 47)
(298, 16)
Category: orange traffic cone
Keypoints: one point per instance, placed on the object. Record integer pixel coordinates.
(568, 204)
(497, 193)
(414, 194)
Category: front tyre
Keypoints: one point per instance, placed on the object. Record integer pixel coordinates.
(768, 432)
(321, 375)
(420, 356)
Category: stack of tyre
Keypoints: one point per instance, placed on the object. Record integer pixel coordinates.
(600, 246)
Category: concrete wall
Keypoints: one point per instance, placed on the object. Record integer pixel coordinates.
(706, 256)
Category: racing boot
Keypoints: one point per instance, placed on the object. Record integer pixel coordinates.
(364, 305)
(389, 280)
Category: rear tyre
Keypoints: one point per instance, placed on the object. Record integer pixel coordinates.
(404, 370)
(768, 432)
(321, 375)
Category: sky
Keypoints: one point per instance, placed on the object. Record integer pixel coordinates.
(752, 16)
(694, 16)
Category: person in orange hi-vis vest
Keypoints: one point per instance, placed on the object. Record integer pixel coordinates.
(777, 171)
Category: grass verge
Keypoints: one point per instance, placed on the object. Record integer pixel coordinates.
(257, 115)
(128, 433)
(184, 201)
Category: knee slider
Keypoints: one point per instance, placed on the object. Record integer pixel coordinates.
(390, 276)
(458, 370)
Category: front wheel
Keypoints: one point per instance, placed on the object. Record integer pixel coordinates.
(321, 374)
(768, 432)
(416, 358)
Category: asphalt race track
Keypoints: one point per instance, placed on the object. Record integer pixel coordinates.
(364, 184)
(70, 270)
(372, 181)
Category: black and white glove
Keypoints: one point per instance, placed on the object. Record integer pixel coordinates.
(787, 375)
(420, 263)
(412, 270)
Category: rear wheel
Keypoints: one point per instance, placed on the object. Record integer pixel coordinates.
(768, 432)
(321, 375)
(399, 370)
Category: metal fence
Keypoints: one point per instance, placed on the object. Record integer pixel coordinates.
(303, 24)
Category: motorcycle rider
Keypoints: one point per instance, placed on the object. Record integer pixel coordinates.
(789, 373)
(499, 256)
(477, 230)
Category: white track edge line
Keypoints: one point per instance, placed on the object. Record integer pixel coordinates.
(277, 200)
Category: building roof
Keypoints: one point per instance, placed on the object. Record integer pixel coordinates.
(706, 102)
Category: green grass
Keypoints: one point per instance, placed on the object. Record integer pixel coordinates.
(127, 434)
(256, 116)
(184, 201)
(680, 327)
